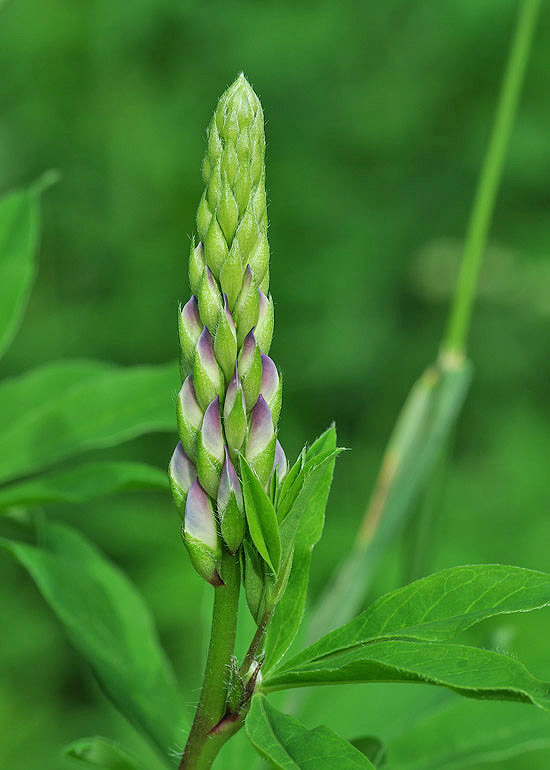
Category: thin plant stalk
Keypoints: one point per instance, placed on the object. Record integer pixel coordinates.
(489, 179)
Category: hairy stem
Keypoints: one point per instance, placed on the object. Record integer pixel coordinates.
(489, 179)
(201, 748)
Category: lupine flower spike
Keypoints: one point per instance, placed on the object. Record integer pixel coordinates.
(230, 397)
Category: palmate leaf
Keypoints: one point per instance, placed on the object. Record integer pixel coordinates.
(101, 754)
(468, 671)
(289, 745)
(290, 610)
(19, 228)
(109, 624)
(86, 482)
(62, 409)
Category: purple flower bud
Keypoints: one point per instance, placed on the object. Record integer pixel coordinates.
(189, 417)
(207, 376)
(210, 454)
(181, 474)
(271, 387)
(190, 327)
(280, 463)
(261, 432)
(199, 521)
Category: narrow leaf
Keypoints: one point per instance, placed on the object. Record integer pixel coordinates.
(100, 753)
(19, 228)
(86, 482)
(418, 438)
(63, 409)
(261, 518)
(289, 745)
(290, 610)
(468, 671)
(109, 624)
(439, 606)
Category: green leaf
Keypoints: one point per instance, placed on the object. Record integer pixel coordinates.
(261, 518)
(372, 748)
(417, 441)
(465, 734)
(19, 228)
(63, 409)
(468, 671)
(437, 607)
(86, 482)
(110, 625)
(100, 753)
(289, 745)
(290, 610)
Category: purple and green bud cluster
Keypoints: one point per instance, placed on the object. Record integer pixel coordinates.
(230, 398)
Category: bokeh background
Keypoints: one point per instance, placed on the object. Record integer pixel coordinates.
(378, 115)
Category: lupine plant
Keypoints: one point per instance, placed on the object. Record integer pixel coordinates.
(250, 519)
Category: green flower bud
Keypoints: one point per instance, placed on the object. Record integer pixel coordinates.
(230, 506)
(234, 415)
(231, 274)
(200, 534)
(210, 301)
(264, 328)
(210, 451)
(189, 415)
(181, 474)
(225, 342)
(250, 370)
(190, 328)
(247, 307)
(196, 267)
(207, 375)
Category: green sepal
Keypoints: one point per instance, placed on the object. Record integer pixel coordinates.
(262, 464)
(215, 246)
(204, 217)
(225, 344)
(250, 371)
(209, 469)
(232, 525)
(197, 264)
(266, 320)
(231, 275)
(210, 301)
(247, 307)
(235, 423)
(205, 560)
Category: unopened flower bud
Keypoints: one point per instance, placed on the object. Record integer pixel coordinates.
(207, 375)
(225, 342)
(264, 328)
(200, 534)
(215, 245)
(271, 387)
(247, 307)
(210, 451)
(234, 414)
(189, 417)
(280, 465)
(210, 301)
(230, 506)
(231, 274)
(190, 328)
(250, 370)
(181, 474)
(197, 264)
(260, 444)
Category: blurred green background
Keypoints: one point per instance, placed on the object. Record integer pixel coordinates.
(378, 115)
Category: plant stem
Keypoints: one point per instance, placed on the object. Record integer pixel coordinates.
(201, 748)
(489, 179)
